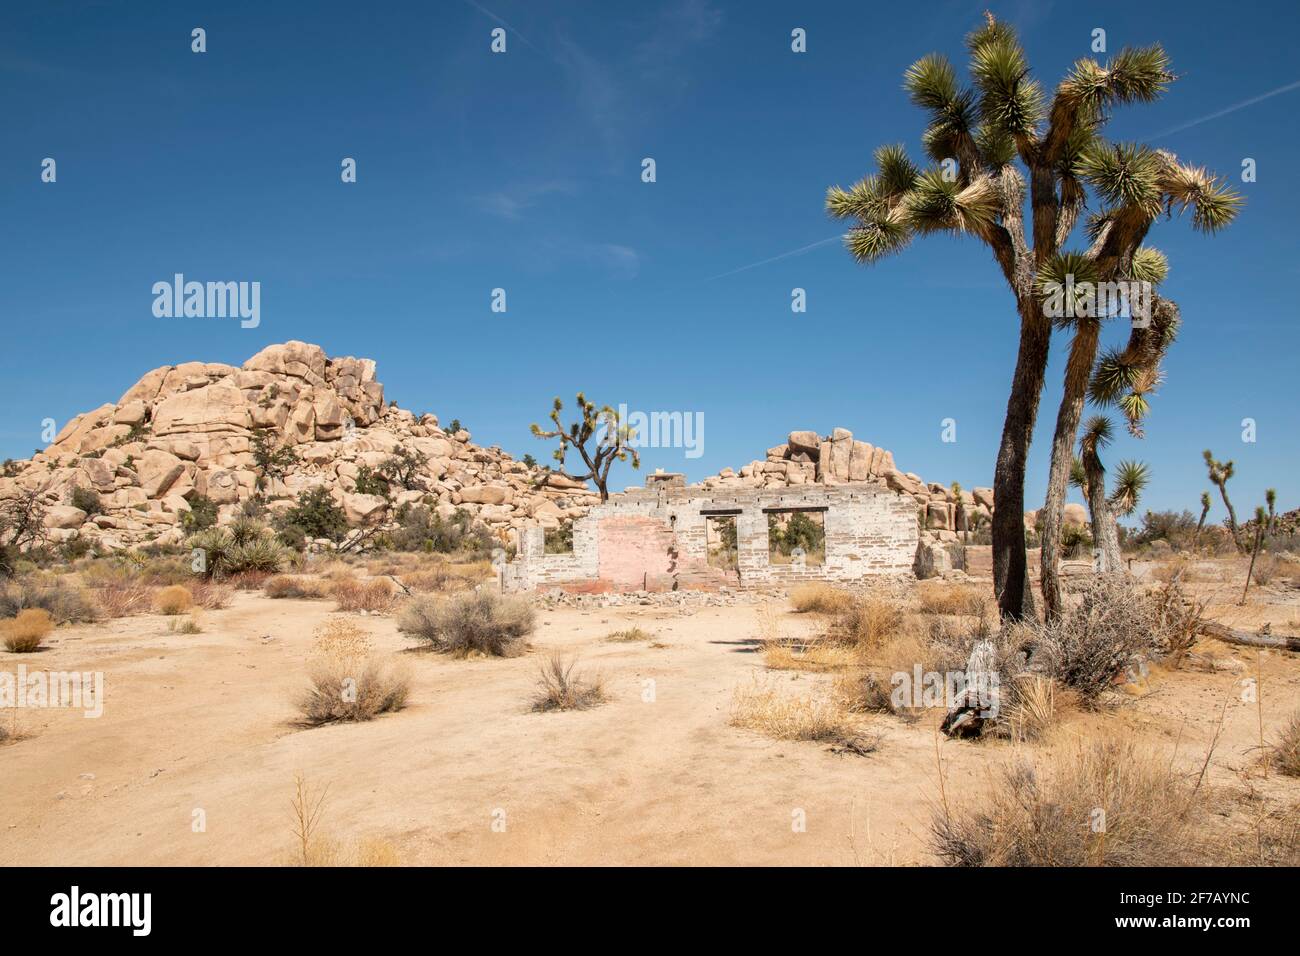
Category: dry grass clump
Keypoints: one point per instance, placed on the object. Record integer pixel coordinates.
(348, 683)
(25, 632)
(942, 597)
(470, 623)
(174, 599)
(188, 624)
(815, 655)
(374, 596)
(295, 586)
(868, 621)
(253, 580)
(445, 576)
(819, 598)
(1092, 803)
(762, 706)
(560, 688)
(629, 635)
(312, 848)
(124, 598)
(1286, 752)
(1031, 706)
(210, 595)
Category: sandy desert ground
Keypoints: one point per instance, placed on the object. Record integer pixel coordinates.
(207, 722)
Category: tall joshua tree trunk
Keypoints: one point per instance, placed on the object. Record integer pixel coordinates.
(1105, 532)
(1232, 514)
(1010, 565)
(1078, 368)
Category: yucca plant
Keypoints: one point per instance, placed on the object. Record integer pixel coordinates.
(1220, 473)
(215, 545)
(263, 554)
(984, 142)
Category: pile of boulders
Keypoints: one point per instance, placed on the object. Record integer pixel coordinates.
(189, 431)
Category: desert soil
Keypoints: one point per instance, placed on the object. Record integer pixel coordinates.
(654, 776)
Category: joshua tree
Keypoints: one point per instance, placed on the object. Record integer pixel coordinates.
(1261, 519)
(1270, 496)
(1205, 510)
(979, 139)
(1221, 473)
(612, 439)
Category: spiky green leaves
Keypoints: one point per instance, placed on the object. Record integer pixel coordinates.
(1078, 474)
(1131, 479)
(1149, 265)
(1213, 204)
(1139, 74)
(897, 171)
(1124, 174)
(1097, 434)
(931, 82)
(1009, 99)
(936, 203)
(878, 237)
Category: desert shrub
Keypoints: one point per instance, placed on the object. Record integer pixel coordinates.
(368, 482)
(1030, 705)
(124, 598)
(865, 692)
(445, 576)
(1095, 803)
(67, 603)
(867, 621)
(420, 528)
(1075, 541)
(201, 516)
(173, 600)
(210, 595)
(1286, 751)
(1177, 529)
(315, 514)
(470, 623)
(24, 633)
(1093, 643)
(940, 597)
(353, 595)
(763, 706)
(294, 586)
(347, 681)
(87, 499)
(560, 688)
(819, 598)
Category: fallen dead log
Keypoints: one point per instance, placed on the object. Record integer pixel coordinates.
(1283, 642)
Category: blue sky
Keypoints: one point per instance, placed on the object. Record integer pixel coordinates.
(523, 171)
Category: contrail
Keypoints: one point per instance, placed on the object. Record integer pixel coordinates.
(783, 255)
(488, 13)
(1230, 109)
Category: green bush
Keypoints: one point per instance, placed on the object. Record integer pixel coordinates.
(420, 528)
(474, 622)
(315, 515)
(201, 516)
(369, 482)
(87, 500)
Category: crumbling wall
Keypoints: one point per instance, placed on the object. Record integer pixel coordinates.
(656, 540)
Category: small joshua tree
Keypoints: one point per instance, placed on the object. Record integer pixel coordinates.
(1205, 510)
(1270, 496)
(612, 442)
(1221, 473)
(1261, 519)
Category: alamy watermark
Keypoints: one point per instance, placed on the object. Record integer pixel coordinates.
(209, 300)
(664, 430)
(72, 689)
(1098, 300)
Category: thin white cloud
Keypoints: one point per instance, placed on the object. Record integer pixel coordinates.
(783, 255)
(1226, 110)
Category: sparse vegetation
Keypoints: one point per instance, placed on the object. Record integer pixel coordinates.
(867, 621)
(374, 596)
(1096, 803)
(314, 514)
(295, 586)
(819, 598)
(761, 705)
(472, 623)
